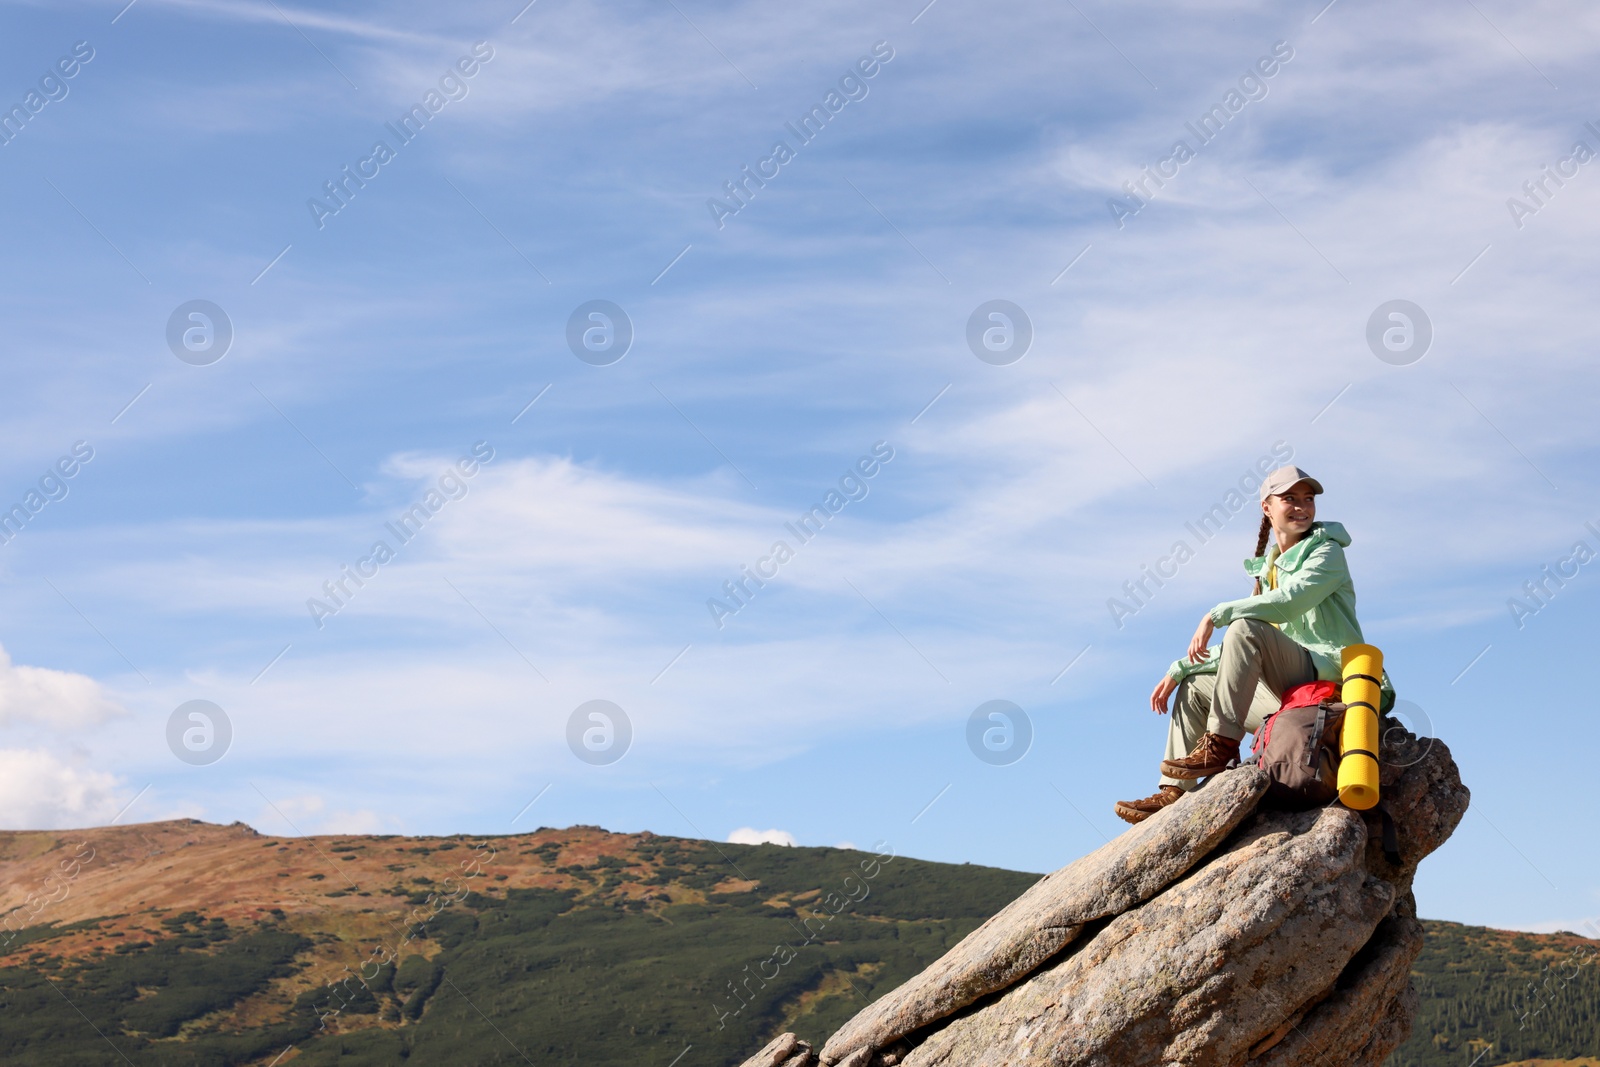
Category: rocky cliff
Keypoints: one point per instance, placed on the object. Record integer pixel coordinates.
(1215, 933)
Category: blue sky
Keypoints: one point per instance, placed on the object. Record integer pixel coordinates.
(372, 352)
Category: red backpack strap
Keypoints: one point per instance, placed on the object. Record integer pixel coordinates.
(1263, 734)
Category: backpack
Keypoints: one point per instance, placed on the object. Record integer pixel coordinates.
(1298, 747)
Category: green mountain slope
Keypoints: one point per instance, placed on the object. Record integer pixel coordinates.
(1521, 996)
(565, 947)
(560, 947)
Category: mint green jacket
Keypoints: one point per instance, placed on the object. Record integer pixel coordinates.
(1314, 604)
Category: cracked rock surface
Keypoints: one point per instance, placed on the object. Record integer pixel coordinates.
(1213, 933)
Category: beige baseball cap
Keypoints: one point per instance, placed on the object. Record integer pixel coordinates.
(1285, 477)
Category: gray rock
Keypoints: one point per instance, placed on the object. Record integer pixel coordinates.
(785, 1050)
(1364, 1020)
(1201, 974)
(1043, 920)
(1212, 935)
(1421, 786)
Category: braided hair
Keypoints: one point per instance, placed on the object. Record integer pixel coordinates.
(1261, 546)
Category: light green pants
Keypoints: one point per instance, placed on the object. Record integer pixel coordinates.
(1256, 666)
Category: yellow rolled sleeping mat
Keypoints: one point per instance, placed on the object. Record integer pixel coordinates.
(1358, 763)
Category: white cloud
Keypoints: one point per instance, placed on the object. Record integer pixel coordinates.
(1206, 329)
(56, 698)
(39, 791)
(747, 836)
(276, 16)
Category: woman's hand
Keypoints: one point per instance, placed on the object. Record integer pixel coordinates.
(1198, 652)
(1163, 690)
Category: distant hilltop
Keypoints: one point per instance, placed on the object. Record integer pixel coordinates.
(189, 942)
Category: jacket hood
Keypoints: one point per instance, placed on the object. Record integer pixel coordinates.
(1320, 533)
(1333, 531)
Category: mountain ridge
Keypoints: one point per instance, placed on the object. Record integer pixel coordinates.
(576, 945)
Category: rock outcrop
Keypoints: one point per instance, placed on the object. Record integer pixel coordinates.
(1041, 922)
(1215, 933)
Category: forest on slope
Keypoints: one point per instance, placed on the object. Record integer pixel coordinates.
(186, 943)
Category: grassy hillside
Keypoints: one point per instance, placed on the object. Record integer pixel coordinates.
(1521, 996)
(184, 943)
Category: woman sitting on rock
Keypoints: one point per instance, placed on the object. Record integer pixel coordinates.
(1289, 632)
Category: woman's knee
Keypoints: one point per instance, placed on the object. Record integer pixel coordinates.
(1244, 632)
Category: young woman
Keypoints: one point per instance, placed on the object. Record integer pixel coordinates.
(1291, 630)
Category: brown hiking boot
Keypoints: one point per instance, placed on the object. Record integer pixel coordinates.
(1211, 756)
(1140, 810)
